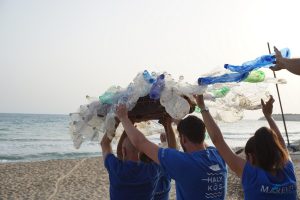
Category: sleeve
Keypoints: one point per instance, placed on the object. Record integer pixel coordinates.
(289, 168)
(172, 162)
(111, 163)
(249, 175)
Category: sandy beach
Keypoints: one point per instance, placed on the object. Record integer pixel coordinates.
(75, 179)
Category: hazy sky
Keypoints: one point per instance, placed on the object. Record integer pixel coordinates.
(53, 53)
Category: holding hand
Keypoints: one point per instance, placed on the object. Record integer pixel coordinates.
(279, 61)
(121, 112)
(200, 101)
(267, 108)
(165, 120)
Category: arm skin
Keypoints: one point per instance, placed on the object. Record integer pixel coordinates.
(235, 163)
(106, 146)
(267, 109)
(119, 147)
(135, 136)
(292, 65)
(167, 123)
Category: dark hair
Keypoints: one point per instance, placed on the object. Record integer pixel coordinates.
(268, 152)
(193, 128)
(249, 148)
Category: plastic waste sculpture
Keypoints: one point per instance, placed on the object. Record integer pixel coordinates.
(150, 96)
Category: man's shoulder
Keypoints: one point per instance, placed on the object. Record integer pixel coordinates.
(213, 150)
(110, 159)
(164, 152)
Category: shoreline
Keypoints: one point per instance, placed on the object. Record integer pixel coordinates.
(84, 178)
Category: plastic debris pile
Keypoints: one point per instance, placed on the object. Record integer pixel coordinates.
(228, 93)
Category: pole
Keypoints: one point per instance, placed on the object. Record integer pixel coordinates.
(283, 119)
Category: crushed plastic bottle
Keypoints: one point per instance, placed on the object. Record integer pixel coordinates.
(177, 107)
(111, 96)
(157, 87)
(225, 78)
(255, 76)
(221, 92)
(148, 77)
(141, 86)
(263, 61)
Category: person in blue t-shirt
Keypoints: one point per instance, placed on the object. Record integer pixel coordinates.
(267, 172)
(129, 178)
(199, 172)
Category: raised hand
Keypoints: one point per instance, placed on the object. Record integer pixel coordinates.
(200, 101)
(121, 112)
(165, 120)
(279, 61)
(267, 107)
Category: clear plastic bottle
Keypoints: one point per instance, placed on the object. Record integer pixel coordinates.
(148, 77)
(141, 86)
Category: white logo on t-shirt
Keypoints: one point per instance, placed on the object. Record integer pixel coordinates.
(215, 167)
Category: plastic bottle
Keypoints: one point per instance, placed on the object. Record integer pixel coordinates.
(225, 78)
(263, 61)
(111, 96)
(129, 97)
(219, 93)
(255, 76)
(177, 107)
(157, 87)
(141, 86)
(148, 77)
(197, 109)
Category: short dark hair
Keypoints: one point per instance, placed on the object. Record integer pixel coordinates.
(268, 151)
(249, 148)
(193, 128)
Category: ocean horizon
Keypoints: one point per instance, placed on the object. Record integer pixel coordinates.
(37, 137)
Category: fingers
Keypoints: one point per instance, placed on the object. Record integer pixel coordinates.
(271, 100)
(276, 50)
(262, 103)
(275, 68)
(121, 110)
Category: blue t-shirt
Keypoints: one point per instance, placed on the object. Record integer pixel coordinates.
(198, 175)
(259, 184)
(163, 187)
(131, 180)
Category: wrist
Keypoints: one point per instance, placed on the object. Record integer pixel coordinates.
(285, 63)
(122, 119)
(268, 117)
(204, 109)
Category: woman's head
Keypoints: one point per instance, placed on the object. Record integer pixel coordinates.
(265, 151)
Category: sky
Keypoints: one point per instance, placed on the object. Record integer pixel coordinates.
(55, 52)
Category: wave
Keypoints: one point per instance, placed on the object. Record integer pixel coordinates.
(32, 140)
(46, 156)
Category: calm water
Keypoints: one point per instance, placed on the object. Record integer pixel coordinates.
(31, 137)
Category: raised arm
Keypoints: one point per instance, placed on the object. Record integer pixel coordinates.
(292, 65)
(119, 147)
(135, 136)
(267, 109)
(235, 163)
(166, 121)
(106, 146)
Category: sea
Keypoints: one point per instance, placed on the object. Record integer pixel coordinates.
(38, 137)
